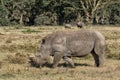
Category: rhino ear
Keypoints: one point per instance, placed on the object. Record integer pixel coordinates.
(43, 41)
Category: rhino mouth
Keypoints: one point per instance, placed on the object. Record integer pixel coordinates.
(33, 63)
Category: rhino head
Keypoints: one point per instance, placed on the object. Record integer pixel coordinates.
(44, 56)
(39, 60)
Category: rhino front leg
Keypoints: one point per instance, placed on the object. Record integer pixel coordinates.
(69, 60)
(57, 58)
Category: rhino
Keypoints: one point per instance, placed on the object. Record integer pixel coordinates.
(80, 25)
(67, 44)
(69, 26)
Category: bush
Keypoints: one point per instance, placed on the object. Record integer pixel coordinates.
(48, 19)
(41, 20)
(4, 21)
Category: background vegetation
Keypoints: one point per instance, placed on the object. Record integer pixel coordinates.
(58, 12)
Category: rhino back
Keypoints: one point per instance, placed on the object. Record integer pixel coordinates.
(81, 43)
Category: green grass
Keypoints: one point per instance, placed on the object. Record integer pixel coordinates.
(31, 31)
(26, 41)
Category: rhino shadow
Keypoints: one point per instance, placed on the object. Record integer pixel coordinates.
(76, 64)
(62, 65)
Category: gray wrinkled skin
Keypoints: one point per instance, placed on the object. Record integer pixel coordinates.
(69, 44)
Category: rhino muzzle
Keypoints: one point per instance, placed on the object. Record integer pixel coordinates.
(38, 62)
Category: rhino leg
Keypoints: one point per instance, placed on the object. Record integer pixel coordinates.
(96, 58)
(98, 54)
(57, 58)
(69, 60)
(99, 59)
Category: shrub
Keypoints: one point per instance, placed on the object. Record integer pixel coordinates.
(4, 21)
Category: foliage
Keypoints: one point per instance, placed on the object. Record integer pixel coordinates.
(19, 11)
(114, 10)
(4, 21)
(58, 12)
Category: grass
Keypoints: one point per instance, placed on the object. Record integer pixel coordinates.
(23, 72)
(17, 43)
(18, 58)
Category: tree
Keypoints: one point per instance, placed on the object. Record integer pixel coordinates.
(52, 12)
(92, 9)
(66, 11)
(113, 11)
(20, 10)
(3, 14)
(57, 11)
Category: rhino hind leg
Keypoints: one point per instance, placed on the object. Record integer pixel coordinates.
(96, 58)
(98, 53)
(69, 60)
(99, 58)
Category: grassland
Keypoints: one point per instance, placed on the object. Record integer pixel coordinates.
(17, 43)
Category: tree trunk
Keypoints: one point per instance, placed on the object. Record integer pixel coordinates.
(21, 19)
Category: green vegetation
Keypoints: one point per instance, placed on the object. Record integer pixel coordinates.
(31, 31)
(58, 12)
(16, 46)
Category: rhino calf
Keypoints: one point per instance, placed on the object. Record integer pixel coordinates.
(67, 44)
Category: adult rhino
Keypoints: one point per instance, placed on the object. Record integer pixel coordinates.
(67, 44)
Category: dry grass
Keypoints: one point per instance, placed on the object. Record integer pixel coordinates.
(83, 71)
(26, 40)
(18, 58)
